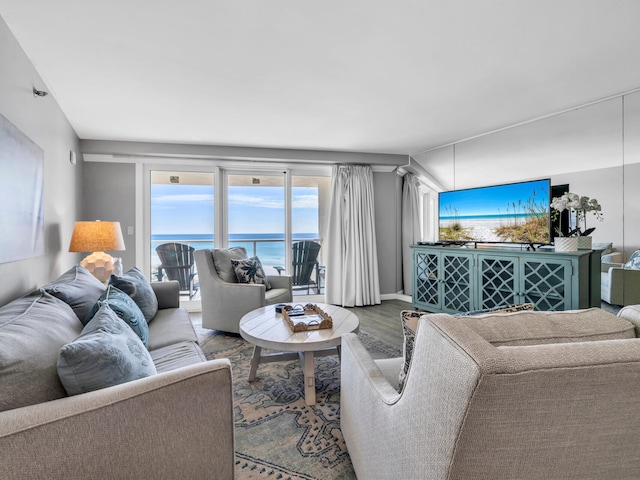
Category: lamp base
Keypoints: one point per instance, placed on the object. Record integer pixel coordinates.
(100, 265)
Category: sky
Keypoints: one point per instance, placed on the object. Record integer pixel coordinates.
(189, 209)
(494, 200)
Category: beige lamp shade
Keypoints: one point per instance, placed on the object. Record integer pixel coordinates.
(96, 237)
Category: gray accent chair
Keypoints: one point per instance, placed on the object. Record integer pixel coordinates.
(224, 300)
(620, 282)
(526, 395)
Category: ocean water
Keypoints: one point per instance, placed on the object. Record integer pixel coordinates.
(502, 216)
(269, 247)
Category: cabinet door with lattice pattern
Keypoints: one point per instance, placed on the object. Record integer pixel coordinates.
(547, 284)
(457, 282)
(499, 285)
(426, 288)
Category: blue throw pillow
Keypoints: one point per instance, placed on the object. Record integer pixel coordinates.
(106, 353)
(136, 285)
(33, 328)
(78, 288)
(634, 261)
(125, 308)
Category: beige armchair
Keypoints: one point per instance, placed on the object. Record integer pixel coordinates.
(224, 300)
(527, 395)
(620, 283)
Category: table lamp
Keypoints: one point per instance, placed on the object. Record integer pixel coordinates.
(97, 237)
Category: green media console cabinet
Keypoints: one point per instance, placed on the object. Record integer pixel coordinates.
(453, 279)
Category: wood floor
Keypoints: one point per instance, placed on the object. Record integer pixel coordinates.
(381, 321)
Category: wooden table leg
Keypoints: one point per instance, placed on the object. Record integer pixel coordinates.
(255, 360)
(309, 379)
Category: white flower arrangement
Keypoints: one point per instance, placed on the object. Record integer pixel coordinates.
(581, 206)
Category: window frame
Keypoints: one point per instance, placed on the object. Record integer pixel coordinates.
(220, 170)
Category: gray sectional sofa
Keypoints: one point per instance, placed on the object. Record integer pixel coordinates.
(175, 423)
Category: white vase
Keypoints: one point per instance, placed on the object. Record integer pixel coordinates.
(566, 244)
(585, 243)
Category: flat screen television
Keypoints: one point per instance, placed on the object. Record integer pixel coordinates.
(509, 213)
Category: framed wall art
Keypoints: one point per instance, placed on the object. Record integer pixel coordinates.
(21, 195)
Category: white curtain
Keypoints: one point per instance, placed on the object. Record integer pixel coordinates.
(352, 257)
(410, 227)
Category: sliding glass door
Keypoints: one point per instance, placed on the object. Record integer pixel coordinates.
(182, 211)
(309, 215)
(210, 207)
(256, 216)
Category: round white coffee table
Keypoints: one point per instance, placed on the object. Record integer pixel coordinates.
(265, 328)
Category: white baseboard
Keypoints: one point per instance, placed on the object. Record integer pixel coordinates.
(384, 296)
(396, 296)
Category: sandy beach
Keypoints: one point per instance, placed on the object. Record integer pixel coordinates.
(481, 229)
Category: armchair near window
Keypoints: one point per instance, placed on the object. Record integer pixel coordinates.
(620, 283)
(224, 300)
(522, 395)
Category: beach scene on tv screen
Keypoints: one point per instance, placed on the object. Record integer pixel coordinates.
(513, 213)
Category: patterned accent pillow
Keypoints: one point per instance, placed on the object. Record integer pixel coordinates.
(634, 261)
(409, 327)
(125, 308)
(250, 270)
(499, 309)
(136, 285)
(106, 353)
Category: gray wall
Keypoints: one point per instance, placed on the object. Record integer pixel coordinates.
(595, 149)
(110, 196)
(387, 188)
(110, 188)
(42, 120)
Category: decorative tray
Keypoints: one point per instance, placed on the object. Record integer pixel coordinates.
(309, 317)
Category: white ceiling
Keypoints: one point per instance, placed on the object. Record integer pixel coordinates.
(386, 76)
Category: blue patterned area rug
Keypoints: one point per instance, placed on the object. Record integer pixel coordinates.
(278, 436)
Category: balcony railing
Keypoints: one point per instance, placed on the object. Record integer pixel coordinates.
(270, 251)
